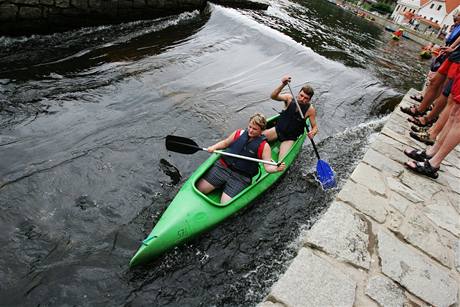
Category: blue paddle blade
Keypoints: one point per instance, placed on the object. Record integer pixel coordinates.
(325, 175)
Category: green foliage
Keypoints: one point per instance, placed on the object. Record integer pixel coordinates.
(381, 7)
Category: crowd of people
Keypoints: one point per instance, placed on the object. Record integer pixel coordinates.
(436, 119)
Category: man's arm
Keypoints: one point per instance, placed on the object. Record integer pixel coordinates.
(267, 155)
(276, 94)
(222, 144)
(311, 113)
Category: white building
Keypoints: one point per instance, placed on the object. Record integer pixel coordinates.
(431, 16)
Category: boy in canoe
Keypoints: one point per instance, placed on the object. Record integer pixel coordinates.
(233, 174)
(290, 124)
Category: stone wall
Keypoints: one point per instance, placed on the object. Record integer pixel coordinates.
(19, 17)
(42, 16)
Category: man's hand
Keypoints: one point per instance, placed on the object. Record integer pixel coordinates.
(285, 80)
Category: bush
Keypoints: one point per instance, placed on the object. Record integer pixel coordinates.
(382, 8)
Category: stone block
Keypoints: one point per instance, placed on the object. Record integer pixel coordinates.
(424, 186)
(8, 12)
(311, 280)
(416, 272)
(30, 12)
(382, 163)
(398, 202)
(418, 230)
(457, 255)
(369, 177)
(81, 4)
(363, 200)
(443, 214)
(30, 2)
(385, 292)
(63, 3)
(47, 2)
(125, 3)
(342, 234)
(139, 3)
(396, 186)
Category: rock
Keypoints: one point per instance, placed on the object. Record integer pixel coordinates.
(369, 177)
(443, 214)
(416, 272)
(385, 292)
(396, 186)
(343, 234)
(311, 280)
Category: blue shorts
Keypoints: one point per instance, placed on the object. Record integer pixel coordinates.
(223, 177)
(448, 87)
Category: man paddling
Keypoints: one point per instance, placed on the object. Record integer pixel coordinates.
(290, 124)
(233, 174)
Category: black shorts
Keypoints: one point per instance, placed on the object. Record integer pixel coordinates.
(284, 136)
(223, 177)
(448, 87)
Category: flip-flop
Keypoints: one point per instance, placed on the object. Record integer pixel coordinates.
(422, 137)
(412, 111)
(418, 129)
(417, 155)
(423, 168)
(416, 121)
(417, 98)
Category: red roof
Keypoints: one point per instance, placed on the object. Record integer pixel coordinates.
(451, 5)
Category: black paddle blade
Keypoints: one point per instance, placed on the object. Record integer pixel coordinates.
(181, 145)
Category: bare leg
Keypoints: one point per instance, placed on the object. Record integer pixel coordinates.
(270, 134)
(439, 105)
(204, 187)
(224, 198)
(450, 138)
(443, 117)
(284, 148)
(432, 92)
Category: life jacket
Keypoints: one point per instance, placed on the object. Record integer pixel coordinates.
(245, 147)
(290, 123)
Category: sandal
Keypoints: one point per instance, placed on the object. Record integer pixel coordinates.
(417, 121)
(417, 155)
(412, 111)
(417, 98)
(422, 137)
(419, 129)
(423, 168)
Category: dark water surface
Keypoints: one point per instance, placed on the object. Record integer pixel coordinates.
(84, 173)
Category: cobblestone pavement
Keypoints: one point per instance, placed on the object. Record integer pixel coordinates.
(391, 237)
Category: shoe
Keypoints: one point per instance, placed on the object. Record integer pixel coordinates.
(417, 98)
(416, 121)
(412, 111)
(417, 155)
(419, 129)
(422, 137)
(423, 168)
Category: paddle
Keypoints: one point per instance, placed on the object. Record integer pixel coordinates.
(188, 146)
(323, 170)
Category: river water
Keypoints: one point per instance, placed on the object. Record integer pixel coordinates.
(84, 174)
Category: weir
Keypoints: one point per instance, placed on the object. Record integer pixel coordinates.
(390, 238)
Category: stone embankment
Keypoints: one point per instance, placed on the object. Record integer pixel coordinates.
(18, 17)
(391, 237)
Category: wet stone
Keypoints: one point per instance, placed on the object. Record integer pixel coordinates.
(312, 279)
(342, 234)
(363, 200)
(418, 230)
(385, 292)
(390, 148)
(416, 272)
(369, 177)
(30, 12)
(8, 12)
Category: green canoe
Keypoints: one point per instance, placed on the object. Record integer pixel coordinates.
(191, 212)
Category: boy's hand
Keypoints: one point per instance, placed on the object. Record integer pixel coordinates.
(285, 80)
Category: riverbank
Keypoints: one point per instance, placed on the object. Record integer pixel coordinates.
(390, 238)
(392, 26)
